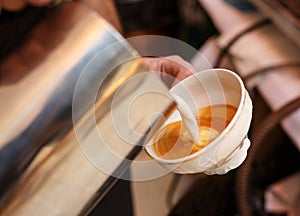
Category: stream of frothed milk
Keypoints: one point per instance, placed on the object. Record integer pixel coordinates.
(188, 118)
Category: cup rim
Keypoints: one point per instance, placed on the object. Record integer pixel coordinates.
(215, 141)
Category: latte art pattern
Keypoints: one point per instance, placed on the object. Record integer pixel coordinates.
(173, 141)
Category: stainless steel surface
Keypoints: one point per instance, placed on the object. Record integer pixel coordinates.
(38, 108)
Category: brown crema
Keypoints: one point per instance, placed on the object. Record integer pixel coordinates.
(173, 140)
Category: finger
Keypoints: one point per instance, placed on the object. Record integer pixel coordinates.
(185, 66)
(32, 53)
(12, 69)
(13, 5)
(175, 69)
(176, 66)
(44, 35)
(65, 16)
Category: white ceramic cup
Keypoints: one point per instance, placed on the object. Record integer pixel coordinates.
(229, 149)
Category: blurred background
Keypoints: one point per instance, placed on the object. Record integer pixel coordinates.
(257, 39)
